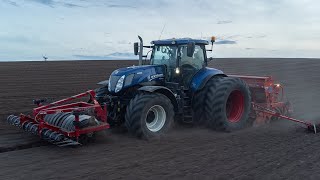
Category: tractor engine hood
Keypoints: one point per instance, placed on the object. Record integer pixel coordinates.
(124, 78)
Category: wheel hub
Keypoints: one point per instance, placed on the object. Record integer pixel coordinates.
(235, 106)
(156, 118)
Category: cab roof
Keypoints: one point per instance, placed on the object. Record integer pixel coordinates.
(180, 41)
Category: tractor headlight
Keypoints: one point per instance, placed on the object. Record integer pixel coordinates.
(119, 84)
(177, 70)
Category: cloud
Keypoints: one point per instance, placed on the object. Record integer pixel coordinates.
(50, 3)
(53, 3)
(59, 28)
(224, 22)
(112, 56)
(256, 36)
(121, 6)
(82, 3)
(220, 42)
(11, 3)
(70, 5)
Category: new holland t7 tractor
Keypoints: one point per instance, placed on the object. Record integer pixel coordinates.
(175, 84)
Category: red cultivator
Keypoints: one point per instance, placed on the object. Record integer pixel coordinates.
(64, 124)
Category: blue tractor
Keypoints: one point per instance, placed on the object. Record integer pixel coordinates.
(175, 84)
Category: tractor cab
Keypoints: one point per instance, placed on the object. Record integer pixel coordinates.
(174, 64)
(182, 58)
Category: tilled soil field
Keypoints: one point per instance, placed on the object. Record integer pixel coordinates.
(280, 150)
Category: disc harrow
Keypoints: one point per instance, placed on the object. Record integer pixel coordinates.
(64, 124)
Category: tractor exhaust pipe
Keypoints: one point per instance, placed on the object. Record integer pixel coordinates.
(138, 49)
(141, 50)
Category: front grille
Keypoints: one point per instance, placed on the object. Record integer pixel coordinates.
(113, 82)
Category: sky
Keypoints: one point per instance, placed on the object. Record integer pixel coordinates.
(107, 29)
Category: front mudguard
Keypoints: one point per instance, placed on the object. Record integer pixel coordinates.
(162, 90)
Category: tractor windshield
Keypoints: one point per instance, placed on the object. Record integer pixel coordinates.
(164, 55)
(169, 54)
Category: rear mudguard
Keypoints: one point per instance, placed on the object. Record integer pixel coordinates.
(163, 90)
(200, 79)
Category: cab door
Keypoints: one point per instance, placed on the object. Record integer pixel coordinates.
(166, 56)
(189, 66)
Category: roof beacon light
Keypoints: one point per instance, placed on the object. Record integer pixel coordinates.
(213, 39)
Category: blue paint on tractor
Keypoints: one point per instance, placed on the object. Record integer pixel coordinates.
(203, 75)
(180, 41)
(135, 75)
(166, 76)
(155, 74)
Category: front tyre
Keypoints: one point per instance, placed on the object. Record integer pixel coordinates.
(149, 115)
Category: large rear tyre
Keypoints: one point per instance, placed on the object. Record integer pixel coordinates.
(228, 104)
(198, 112)
(199, 108)
(149, 115)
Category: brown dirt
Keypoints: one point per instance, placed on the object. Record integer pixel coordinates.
(280, 150)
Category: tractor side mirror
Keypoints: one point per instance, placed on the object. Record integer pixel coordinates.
(136, 48)
(190, 49)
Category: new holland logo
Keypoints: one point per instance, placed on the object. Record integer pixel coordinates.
(155, 76)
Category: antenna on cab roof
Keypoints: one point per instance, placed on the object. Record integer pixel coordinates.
(164, 26)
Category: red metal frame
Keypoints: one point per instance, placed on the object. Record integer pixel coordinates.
(274, 100)
(273, 93)
(77, 107)
(273, 113)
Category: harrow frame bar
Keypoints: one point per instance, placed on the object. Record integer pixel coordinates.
(77, 109)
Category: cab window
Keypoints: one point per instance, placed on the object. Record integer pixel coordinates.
(197, 60)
